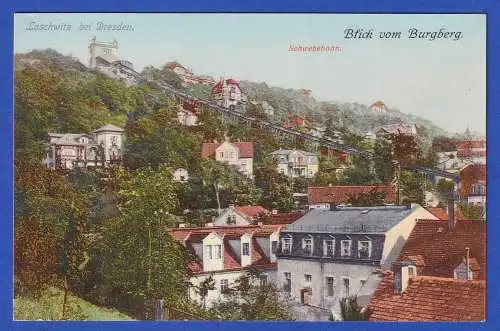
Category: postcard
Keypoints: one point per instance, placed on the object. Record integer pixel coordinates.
(229, 166)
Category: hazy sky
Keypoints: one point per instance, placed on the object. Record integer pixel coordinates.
(442, 80)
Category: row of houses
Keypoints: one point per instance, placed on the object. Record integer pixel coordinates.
(395, 259)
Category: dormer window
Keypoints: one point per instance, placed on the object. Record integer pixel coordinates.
(329, 246)
(307, 245)
(287, 245)
(364, 249)
(245, 249)
(345, 248)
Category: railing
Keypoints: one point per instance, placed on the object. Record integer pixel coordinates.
(263, 123)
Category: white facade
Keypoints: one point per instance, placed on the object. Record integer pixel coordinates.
(228, 94)
(187, 118)
(220, 280)
(180, 175)
(296, 163)
(230, 154)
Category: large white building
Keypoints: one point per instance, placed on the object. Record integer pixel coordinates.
(101, 148)
(104, 57)
(227, 254)
(237, 154)
(330, 254)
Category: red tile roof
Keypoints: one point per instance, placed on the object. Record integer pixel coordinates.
(217, 88)
(443, 215)
(428, 299)
(378, 104)
(283, 218)
(246, 149)
(188, 236)
(440, 248)
(250, 211)
(341, 194)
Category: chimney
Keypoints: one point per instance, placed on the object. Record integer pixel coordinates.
(402, 272)
(451, 213)
(274, 212)
(182, 225)
(467, 262)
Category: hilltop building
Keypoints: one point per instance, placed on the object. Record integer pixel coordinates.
(227, 93)
(104, 58)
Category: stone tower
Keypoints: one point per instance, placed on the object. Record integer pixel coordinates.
(106, 50)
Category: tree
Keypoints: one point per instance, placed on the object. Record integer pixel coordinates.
(249, 299)
(383, 161)
(445, 190)
(276, 187)
(205, 286)
(365, 199)
(406, 149)
(140, 262)
(358, 175)
(214, 175)
(411, 188)
(472, 212)
(351, 310)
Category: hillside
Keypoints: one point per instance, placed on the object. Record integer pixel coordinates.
(48, 307)
(354, 116)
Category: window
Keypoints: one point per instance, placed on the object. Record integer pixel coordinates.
(221, 155)
(329, 286)
(274, 246)
(364, 249)
(263, 280)
(308, 278)
(232, 155)
(245, 248)
(244, 281)
(287, 287)
(182, 178)
(362, 283)
(307, 245)
(328, 246)
(213, 252)
(224, 285)
(346, 248)
(287, 245)
(347, 285)
(310, 172)
(411, 271)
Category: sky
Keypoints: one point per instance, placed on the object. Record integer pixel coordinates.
(443, 80)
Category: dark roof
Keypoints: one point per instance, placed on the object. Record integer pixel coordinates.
(441, 248)
(341, 194)
(428, 299)
(351, 219)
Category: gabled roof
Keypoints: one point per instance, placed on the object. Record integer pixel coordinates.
(398, 128)
(109, 127)
(428, 299)
(442, 247)
(378, 104)
(341, 194)
(250, 211)
(245, 148)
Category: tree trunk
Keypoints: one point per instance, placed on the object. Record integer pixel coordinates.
(65, 298)
(216, 186)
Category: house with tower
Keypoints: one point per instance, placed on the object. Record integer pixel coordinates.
(227, 93)
(101, 148)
